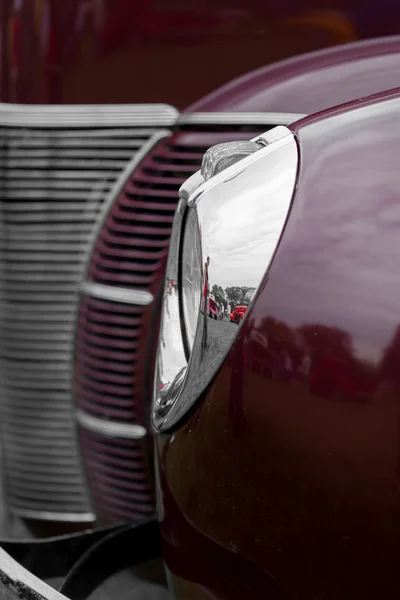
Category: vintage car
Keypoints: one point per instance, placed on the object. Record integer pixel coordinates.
(95, 144)
(88, 198)
(270, 482)
(269, 487)
(237, 314)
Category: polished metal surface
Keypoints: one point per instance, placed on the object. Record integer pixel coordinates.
(239, 118)
(225, 233)
(18, 582)
(220, 157)
(108, 292)
(110, 428)
(87, 115)
(61, 168)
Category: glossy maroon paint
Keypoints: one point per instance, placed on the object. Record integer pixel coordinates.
(312, 82)
(289, 463)
(112, 51)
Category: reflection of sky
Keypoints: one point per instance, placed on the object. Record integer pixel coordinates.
(170, 339)
(319, 86)
(191, 275)
(241, 232)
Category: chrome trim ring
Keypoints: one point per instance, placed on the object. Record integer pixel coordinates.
(110, 428)
(225, 233)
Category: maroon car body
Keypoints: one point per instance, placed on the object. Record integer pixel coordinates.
(289, 487)
(79, 52)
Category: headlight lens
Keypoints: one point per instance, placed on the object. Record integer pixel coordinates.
(191, 276)
(225, 233)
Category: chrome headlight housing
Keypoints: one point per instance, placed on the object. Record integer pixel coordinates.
(227, 226)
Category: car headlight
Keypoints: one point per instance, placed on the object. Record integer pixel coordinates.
(226, 229)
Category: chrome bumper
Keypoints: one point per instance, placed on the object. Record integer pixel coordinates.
(83, 560)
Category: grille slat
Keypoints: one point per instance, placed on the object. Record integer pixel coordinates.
(110, 329)
(135, 202)
(60, 201)
(54, 231)
(51, 186)
(55, 442)
(100, 341)
(50, 154)
(61, 216)
(52, 176)
(58, 136)
(109, 237)
(72, 164)
(107, 353)
(135, 252)
(106, 376)
(154, 193)
(54, 183)
(101, 408)
(136, 477)
(115, 366)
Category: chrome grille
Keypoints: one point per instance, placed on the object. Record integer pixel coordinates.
(59, 170)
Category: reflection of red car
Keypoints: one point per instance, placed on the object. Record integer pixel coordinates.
(212, 309)
(238, 314)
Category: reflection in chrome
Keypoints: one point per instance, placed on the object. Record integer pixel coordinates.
(225, 233)
(220, 157)
(110, 428)
(191, 274)
(18, 582)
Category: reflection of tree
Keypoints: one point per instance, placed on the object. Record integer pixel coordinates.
(218, 294)
(321, 355)
(320, 338)
(277, 352)
(235, 294)
(332, 369)
(390, 365)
